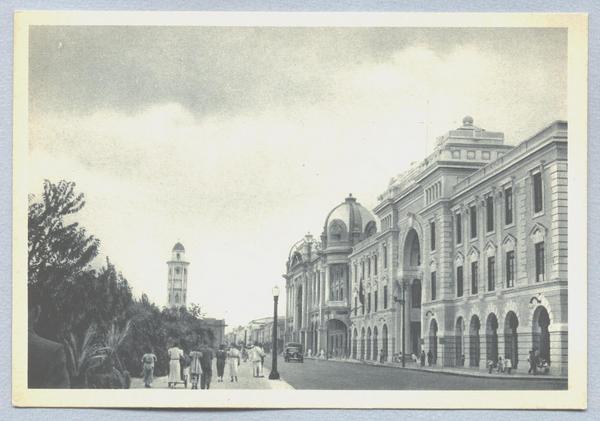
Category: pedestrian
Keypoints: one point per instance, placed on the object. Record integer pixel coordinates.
(508, 365)
(309, 353)
(221, 356)
(500, 365)
(256, 354)
(322, 354)
(148, 360)
(429, 358)
(174, 353)
(381, 356)
(233, 360)
(195, 368)
(262, 361)
(206, 364)
(422, 358)
(532, 363)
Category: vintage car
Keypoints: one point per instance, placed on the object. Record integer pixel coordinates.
(293, 351)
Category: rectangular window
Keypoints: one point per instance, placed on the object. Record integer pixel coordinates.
(385, 297)
(458, 228)
(474, 277)
(459, 281)
(432, 235)
(369, 267)
(362, 269)
(508, 206)
(489, 213)
(473, 216)
(384, 256)
(539, 262)
(355, 273)
(375, 297)
(355, 305)
(369, 302)
(416, 294)
(491, 263)
(433, 286)
(510, 269)
(537, 193)
(375, 263)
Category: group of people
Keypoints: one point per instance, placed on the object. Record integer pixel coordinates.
(197, 365)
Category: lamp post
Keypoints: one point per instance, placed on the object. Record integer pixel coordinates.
(274, 373)
(402, 302)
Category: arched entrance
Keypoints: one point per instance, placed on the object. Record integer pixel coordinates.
(368, 343)
(491, 338)
(354, 343)
(411, 268)
(433, 340)
(511, 340)
(384, 342)
(474, 344)
(541, 335)
(362, 344)
(336, 337)
(375, 344)
(459, 342)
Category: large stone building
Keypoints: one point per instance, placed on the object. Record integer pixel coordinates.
(464, 255)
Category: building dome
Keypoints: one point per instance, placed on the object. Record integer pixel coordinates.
(178, 247)
(349, 221)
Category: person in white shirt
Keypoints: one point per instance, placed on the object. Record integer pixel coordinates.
(256, 355)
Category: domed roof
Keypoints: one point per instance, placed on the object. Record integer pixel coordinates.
(354, 215)
(178, 247)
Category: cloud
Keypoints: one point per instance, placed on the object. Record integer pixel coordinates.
(295, 128)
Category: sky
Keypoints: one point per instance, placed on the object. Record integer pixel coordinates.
(238, 141)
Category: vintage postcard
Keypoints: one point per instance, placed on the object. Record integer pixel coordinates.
(300, 210)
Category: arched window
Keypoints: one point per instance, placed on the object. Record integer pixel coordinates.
(538, 236)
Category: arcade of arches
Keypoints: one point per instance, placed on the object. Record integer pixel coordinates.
(470, 347)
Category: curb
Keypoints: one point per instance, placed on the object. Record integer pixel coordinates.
(454, 373)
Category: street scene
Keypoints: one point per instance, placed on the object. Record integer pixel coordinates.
(242, 208)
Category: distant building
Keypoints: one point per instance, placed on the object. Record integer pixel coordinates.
(466, 257)
(177, 277)
(177, 290)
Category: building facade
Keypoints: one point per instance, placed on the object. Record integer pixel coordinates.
(177, 277)
(466, 257)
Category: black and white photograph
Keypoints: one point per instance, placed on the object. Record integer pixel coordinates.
(242, 210)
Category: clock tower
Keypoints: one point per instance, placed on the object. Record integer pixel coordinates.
(177, 278)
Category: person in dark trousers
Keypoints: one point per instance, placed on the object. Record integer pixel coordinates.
(221, 358)
(429, 358)
(381, 356)
(422, 358)
(206, 363)
(46, 359)
(532, 363)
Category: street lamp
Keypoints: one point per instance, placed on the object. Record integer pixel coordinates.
(402, 302)
(274, 373)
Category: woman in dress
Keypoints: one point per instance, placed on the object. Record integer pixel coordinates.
(148, 360)
(175, 353)
(195, 368)
(233, 360)
(221, 357)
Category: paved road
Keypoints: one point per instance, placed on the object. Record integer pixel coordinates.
(321, 374)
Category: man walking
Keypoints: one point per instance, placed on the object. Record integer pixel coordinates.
(256, 355)
(206, 364)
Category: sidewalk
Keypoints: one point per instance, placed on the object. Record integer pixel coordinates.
(245, 380)
(466, 371)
